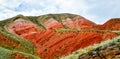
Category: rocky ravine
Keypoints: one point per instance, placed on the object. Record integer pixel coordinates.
(52, 36)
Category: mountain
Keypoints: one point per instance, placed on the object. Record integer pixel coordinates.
(52, 36)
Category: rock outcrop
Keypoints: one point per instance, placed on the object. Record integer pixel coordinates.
(53, 35)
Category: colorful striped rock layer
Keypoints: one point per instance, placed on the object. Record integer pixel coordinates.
(53, 36)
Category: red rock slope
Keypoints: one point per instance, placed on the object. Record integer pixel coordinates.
(51, 44)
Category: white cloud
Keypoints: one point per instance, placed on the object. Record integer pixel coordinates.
(48, 6)
(11, 3)
(87, 8)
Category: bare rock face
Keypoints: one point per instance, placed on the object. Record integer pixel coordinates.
(54, 35)
(110, 52)
(112, 24)
(83, 23)
(77, 23)
(50, 44)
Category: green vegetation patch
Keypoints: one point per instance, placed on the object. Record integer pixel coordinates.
(103, 45)
(10, 54)
(25, 46)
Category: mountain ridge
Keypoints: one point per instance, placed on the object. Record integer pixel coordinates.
(53, 35)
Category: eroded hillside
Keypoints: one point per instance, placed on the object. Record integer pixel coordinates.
(52, 36)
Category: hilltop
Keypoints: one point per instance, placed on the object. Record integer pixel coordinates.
(54, 36)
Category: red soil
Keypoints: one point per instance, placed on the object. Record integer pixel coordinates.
(78, 23)
(69, 23)
(51, 45)
(19, 56)
(112, 24)
(108, 35)
(4, 41)
(52, 24)
(83, 23)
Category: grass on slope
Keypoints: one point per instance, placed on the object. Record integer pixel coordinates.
(62, 30)
(7, 54)
(103, 45)
(27, 46)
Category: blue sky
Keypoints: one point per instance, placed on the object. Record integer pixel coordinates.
(98, 11)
